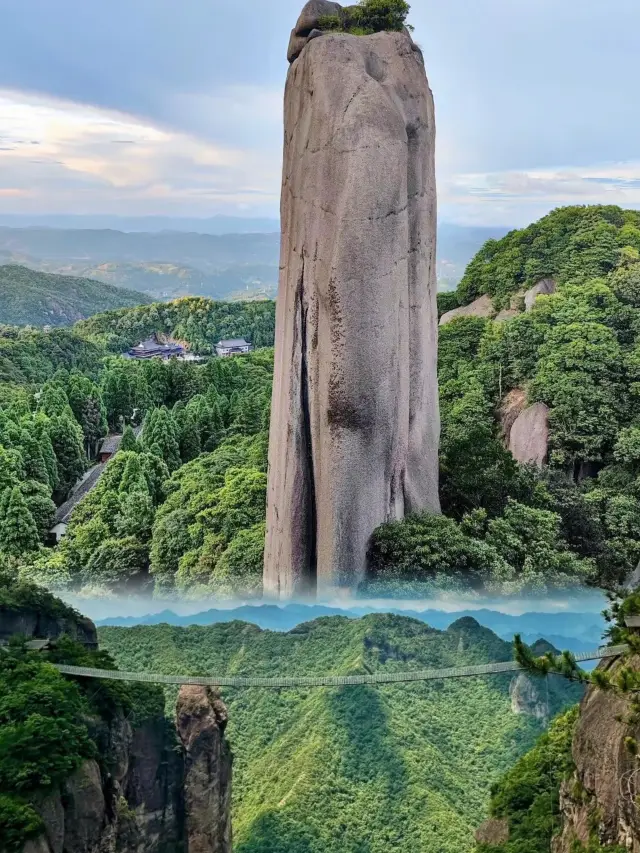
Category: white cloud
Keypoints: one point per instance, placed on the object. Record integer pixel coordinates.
(67, 157)
(518, 197)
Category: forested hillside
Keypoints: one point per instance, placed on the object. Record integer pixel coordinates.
(187, 513)
(201, 322)
(35, 298)
(525, 801)
(578, 352)
(404, 767)
(50, 725)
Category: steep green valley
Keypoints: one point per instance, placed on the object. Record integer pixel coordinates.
(357, 769)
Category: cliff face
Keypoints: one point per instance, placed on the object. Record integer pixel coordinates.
(201, 721)
(145, 794)
(355, 420)
(33, 622)
(599, 802)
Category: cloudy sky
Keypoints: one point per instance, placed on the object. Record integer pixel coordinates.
(174, 106)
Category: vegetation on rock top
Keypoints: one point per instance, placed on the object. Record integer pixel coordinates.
(368, 17)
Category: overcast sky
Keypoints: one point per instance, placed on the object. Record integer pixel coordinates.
(174, 106)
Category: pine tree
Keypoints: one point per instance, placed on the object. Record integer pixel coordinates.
(190, 447)
(129, 441)
(8, 475)
(19, 530)
(41, 427)
(68, 445)
(133, 479)
(33, 460)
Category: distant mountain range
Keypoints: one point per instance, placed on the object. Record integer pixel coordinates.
(576, 632)
(28, 297)
(165, 258)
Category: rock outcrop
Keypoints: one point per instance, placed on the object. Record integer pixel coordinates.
(527, 698)
(147, 794)
(201, 720)
(130, 802)
(493, 832)
(545, 287)
(481, 307)
(529, 436)
(33, 623)
(355, 421)
(599, 803)
(511, 408)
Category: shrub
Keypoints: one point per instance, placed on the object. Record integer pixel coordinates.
(369, 16)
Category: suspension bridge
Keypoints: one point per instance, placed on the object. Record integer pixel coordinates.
(279, 682)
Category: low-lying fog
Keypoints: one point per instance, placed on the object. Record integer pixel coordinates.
(573, 621)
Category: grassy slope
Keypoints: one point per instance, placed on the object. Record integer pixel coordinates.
(34, 298)
(357, 770)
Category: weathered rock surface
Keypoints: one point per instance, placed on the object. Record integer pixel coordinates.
(135, 808)
(201, 720)
(543, 288)
(308, 25)
(33, 624)
(155, 797)
(516, 305)
(511, 408)
(493, 832)
(526, 698)
(529, 436)
(481, 307)
(355, 420)
(600, 800)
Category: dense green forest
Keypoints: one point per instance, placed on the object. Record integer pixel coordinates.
(32, 298)
(48, 722)
(404, 767)
(182, 508)
(198, 321)
(577, 351)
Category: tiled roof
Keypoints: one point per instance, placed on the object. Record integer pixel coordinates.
(111, 444)
(233, 342)
(89, 482)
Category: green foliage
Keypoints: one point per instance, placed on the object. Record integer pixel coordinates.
(402, 767)
(520, 550)
(577, 351)
(199, 321)
(19, 530)
(568, 243)
(44, 731)
(36, 298)
(527, 796)
(369, 16)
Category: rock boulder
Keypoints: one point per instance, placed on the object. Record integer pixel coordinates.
(545, 287)
(529, 437)
(481, 307)
(355, 421)
(493, 832)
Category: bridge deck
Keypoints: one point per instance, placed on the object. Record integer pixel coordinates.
(325, 680)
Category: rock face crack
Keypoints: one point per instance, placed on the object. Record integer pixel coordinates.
(355, 422)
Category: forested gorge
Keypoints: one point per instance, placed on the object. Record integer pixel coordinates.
(181, 507)
(405, 767)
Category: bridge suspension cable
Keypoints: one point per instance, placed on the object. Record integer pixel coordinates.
(325, 680)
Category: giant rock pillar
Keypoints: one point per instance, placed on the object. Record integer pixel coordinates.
(355, 422)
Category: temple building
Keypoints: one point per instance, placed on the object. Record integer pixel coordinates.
(233, 346)
(152, 348)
